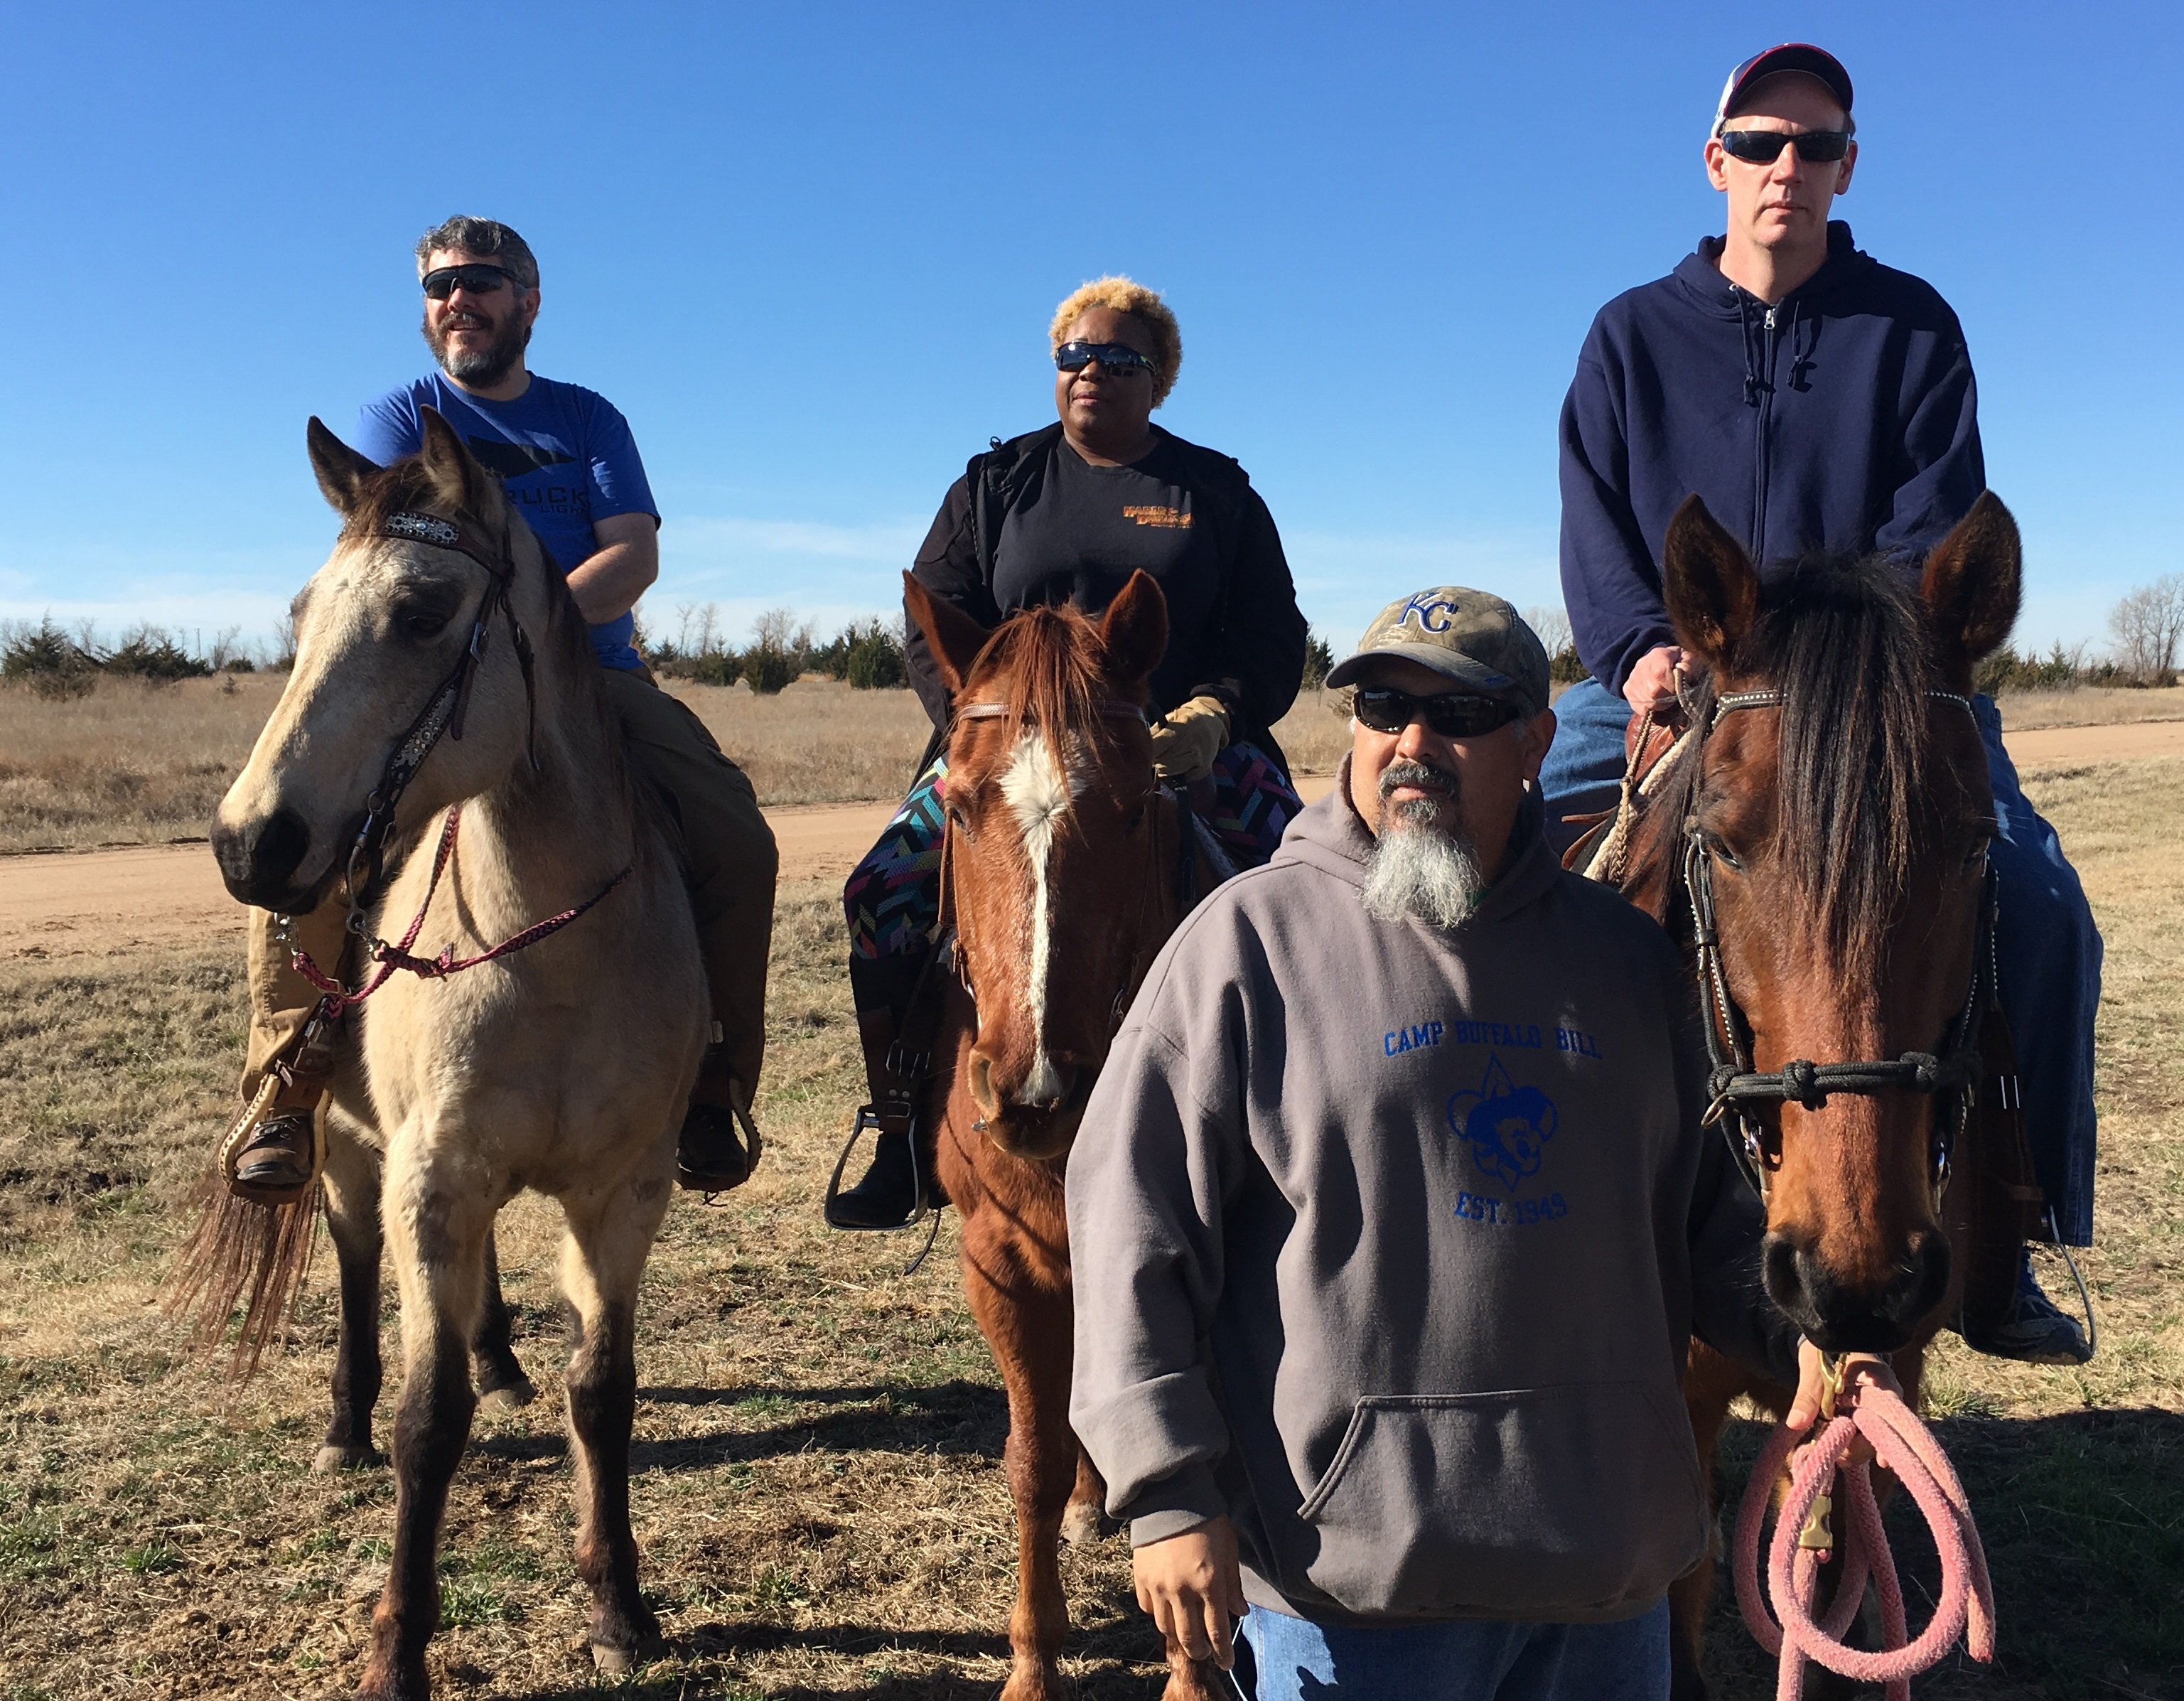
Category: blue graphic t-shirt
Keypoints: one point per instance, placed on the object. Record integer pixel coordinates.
(563, 453)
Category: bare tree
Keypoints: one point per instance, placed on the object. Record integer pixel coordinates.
(227, 646)
(1552, 626)
(281, 653)
(2148, 627)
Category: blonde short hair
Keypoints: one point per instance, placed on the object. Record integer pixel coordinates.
(1142, 304)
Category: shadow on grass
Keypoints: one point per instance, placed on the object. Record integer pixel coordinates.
(2082, 1518)
(956, 1419)
(1116, 1645)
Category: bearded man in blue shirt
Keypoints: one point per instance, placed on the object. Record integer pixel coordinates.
(568, 462)
(1819, 402)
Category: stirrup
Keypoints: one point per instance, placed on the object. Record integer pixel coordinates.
(238, 1136)
(869, 1117)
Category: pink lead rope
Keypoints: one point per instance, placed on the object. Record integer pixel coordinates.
(1905, 1446)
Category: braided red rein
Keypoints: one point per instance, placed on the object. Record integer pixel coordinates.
(339, 998)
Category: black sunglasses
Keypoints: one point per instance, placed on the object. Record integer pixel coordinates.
(1115, 358)
(1765, 147)
(478, 278)
(1447, 714)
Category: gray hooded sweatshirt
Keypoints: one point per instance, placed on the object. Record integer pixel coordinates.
(1388, 1240)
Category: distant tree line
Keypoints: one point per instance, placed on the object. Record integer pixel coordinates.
(866, 655)
(57, 662)
(2146, 627)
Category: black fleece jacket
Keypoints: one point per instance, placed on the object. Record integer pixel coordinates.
(1247, 647)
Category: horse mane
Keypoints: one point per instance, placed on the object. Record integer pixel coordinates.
(1845, 642)
(1049, 662)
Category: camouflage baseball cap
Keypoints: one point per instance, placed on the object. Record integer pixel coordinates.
(1473, 637)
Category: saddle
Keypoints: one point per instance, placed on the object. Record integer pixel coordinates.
(1651, 737)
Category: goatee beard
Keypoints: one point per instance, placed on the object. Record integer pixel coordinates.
(1424, 864)
(481, 368)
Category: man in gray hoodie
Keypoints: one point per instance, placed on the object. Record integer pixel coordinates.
(1394, 1213)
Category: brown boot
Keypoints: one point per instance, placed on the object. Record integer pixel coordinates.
(719, 1146)
(270, 1154)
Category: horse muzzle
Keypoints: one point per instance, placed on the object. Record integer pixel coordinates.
(1841, 1316)
(1033, 1131)
(261, 863)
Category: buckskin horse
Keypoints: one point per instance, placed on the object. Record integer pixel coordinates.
(1819, 837)
(1065, 868)
(563, 1067)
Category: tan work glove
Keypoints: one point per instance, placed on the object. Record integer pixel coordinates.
(1187, 738)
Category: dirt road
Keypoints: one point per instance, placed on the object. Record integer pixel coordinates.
(100, 901)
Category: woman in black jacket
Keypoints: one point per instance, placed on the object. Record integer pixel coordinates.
(1065, 514)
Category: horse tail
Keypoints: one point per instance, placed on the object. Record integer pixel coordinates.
(244, 1253)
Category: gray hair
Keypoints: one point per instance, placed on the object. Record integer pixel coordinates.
(483, 238)
(1424, 863)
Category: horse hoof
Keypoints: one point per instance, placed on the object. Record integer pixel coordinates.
(1081, 1524)
(330, 1459)
(613, 1662)
(509, 1397)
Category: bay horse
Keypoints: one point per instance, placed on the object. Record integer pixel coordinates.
(1818, 838)
(1065, 868)
(564, 1067)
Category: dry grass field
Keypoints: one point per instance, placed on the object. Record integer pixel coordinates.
(817, 1487)
(140, 764)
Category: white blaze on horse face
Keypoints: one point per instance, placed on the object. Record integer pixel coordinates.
(1038, 789)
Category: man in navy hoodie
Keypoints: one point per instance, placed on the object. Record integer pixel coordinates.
(1819, 402)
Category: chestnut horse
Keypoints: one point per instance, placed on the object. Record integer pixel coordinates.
(1819, 837)
(1063, 872)
(564, 1067)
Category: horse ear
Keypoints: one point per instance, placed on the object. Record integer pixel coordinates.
(1712, 592)
(459, 483)
(341, 470)
(1134, 632)
(953, 637)
(1972, 583)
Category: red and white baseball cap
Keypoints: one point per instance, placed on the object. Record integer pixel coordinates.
(1790, 56)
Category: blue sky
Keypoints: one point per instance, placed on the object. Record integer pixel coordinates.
(811, 252)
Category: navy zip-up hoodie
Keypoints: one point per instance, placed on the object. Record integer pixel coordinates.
(1843, 419)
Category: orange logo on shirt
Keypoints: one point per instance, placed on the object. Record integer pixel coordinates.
(1169, 519)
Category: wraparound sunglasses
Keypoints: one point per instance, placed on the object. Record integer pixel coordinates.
(1447, 714)
(1765, 147)
(1116, 357)
(478, 278)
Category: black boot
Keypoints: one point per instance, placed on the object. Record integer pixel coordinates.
(887, 1198)
(889, 1195)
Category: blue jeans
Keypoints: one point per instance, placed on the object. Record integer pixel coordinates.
(1299, 1661)
(2048, 948)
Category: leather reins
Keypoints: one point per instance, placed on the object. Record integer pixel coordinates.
(1735, 1089)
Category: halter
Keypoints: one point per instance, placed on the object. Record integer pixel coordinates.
(1732, 1085)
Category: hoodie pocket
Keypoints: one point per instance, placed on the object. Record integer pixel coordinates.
(1527, 1503)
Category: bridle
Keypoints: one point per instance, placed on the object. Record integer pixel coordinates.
(1113, 709)
(442, 714)
(444, 710)
(1734, 1089)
